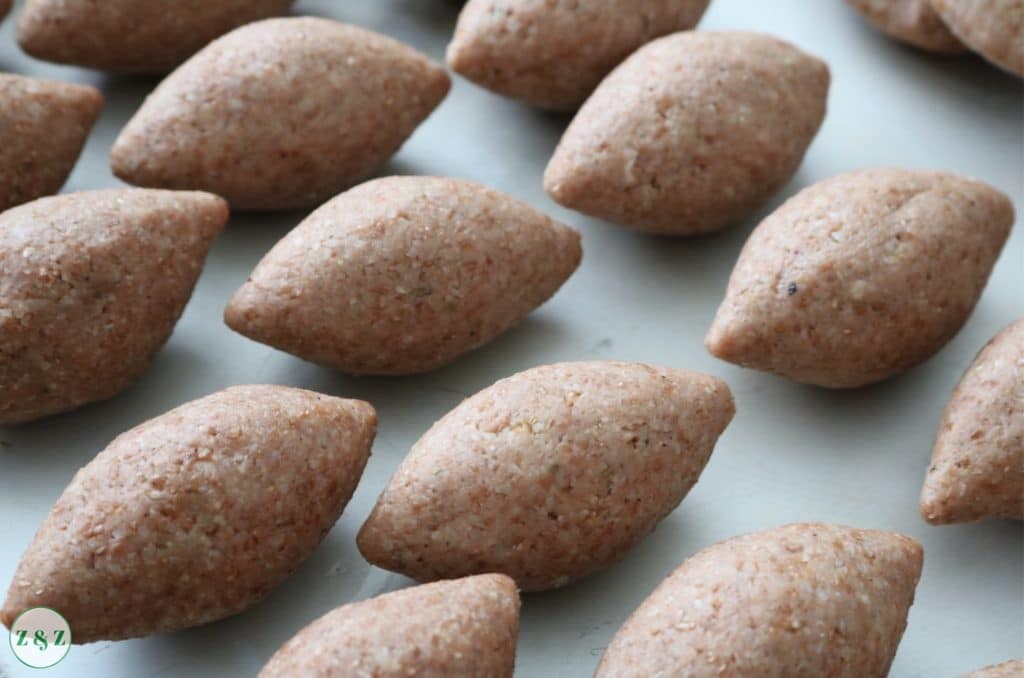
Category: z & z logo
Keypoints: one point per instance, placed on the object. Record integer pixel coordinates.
(40, 637)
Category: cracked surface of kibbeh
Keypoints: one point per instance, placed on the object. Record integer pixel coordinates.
(197, 514)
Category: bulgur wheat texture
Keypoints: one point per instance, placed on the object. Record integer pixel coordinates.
(43, 126)
(977, 467)
(403, 275)
(691, 133)
(464, 628)
(798, 601)
(197, 514)
(280, 114)
(861, 276)
(548, 475)
(553, 54)
(91, 286)
(132, 36)
(914, 22)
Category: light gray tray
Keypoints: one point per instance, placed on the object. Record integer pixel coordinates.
(792, 453)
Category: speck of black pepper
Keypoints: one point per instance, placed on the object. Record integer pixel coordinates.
(791, 290)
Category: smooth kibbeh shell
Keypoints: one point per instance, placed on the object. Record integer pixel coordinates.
(91, 286)
(802, 600)
(197, 514)
(977, 467)
(992, 28)
(548, 475)
(914, 22)
(861, 276)
(448, 629)
(132, 36)
(280, 114)
(553, 55)
(404, 274)
(691, 133)
(43, 127)
(1010, 669)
